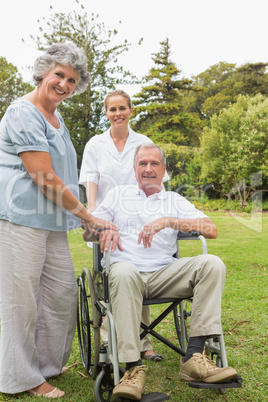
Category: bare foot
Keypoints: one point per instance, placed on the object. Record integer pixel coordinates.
(43, 388)
(149, 353)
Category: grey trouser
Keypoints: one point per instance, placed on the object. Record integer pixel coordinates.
(38, 298)
(202, 277)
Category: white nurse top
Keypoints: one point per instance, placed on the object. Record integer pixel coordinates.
(104, 165)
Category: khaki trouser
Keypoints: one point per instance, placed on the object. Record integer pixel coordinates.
(145, 343)
(38, 301)
(202, 277)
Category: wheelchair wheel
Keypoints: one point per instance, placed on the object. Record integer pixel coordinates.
(104, 385)
(182, 322)
(88, 323)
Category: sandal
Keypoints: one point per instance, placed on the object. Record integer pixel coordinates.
(153, 358)
(55, 393)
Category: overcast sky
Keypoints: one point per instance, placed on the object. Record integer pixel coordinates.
(201, 32)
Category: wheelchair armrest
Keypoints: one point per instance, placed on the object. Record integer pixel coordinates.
(97, 257)
(192, 233)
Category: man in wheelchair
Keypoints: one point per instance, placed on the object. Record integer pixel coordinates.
(142, 265)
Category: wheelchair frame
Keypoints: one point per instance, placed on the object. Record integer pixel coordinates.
(101, 362)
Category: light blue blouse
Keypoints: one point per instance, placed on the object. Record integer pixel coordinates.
(24, 128)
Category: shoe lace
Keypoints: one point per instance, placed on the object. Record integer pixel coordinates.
(210, 364)
(133, 376)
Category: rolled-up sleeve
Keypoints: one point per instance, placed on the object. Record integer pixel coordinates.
(185, 209)
(89, 168)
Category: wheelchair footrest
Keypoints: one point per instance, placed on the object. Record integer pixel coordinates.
(152, 397)
(234, 383)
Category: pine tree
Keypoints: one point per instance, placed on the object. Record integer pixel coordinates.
(160, 114)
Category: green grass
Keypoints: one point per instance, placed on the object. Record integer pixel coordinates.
(242, 245)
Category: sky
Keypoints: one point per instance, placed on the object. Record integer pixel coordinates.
(201, 32)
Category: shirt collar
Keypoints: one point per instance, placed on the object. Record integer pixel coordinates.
(107, 134)
(161, 195)
(132, 137)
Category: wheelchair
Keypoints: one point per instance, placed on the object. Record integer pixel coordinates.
(101, 361)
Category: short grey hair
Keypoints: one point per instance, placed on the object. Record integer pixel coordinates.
(66, 54)
(149, 145)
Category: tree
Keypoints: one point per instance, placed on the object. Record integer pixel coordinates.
(11, 85)
(235, 148)
(159, 110)
(210, 89)
(251, 79)
(222, 83)
(83, 114)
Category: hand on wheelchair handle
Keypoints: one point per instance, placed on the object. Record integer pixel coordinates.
(87, 234)
(94, 226)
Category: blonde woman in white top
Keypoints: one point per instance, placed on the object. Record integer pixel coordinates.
(108, 162)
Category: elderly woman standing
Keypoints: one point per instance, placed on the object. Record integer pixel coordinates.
(38, 205)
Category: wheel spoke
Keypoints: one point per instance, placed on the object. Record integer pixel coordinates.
(88, 330)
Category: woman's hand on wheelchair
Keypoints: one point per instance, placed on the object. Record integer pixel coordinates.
(97, 224)
(93, 227)
(108, 236)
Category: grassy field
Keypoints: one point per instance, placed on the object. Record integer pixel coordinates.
(242, 245)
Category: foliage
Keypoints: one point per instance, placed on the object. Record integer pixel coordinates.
(210, 88)
(255, 206)
(160, 114)
(221, 85)
(194, 185)
(252, 79)
(177, 158)
(159, 111)
(235, 148)
(83, 114)
(11, 85)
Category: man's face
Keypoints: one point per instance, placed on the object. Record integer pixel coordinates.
(149, 170)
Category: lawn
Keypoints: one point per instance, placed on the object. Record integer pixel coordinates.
(242, 245)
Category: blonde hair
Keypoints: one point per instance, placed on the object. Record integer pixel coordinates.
(117, 92)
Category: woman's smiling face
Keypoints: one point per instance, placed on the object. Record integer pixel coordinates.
(59, 83)
(118, 111)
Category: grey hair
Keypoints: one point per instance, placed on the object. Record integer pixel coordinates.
(66, 54)
(149, 145)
